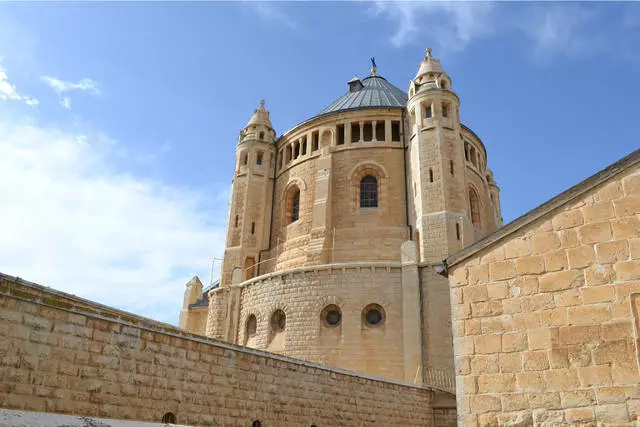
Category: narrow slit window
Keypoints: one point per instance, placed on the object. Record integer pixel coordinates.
(236, 222)
(380, 128)
(315, 137)
(340, 132)
(355, 132)
(430, 175)
(295, 206)
(457, 231)
(445, 110)
(428, 113)
(261, 136)
(259, 159)
(304, 145)
(253, 228)
(395, 131)
(451, 167)
(367, 132)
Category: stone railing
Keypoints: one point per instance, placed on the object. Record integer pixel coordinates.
(443, 379)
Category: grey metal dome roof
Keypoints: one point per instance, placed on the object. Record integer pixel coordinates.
(374, 92)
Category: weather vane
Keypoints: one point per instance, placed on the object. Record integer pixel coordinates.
(373, 65)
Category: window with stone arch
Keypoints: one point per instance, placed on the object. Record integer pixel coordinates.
(368, 181)
(474, 206)
(369, 192)
(292, 207)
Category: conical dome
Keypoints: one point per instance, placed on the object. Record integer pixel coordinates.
(430, 65)
(260, 117)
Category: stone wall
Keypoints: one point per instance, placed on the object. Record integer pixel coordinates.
(61, 354)
(546, 316)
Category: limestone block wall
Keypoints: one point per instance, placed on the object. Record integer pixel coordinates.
(438, 337)
(546, 319)
(303, 294)
(61, 354)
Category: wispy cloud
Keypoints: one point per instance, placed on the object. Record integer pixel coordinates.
(550, 29)
(449, 25)
(75, 224)
(8, 91)
(271, 12)
(61, 87)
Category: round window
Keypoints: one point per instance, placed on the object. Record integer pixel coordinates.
(331, 316)
(373, 315)
(278, 321)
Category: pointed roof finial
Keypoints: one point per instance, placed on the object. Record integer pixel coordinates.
(429, 52)
(262, 104)
(373, 66)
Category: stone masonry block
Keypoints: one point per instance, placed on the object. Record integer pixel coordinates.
(598, 212)
(530, 265)
(517, 247)
(516, 341)
(560, 280)
(610, 191)
(485, 403)
(627, 206)
(556, 260)
(599, 275)
(628, 270)
(543, 338)
(572, 335)
(624, 228)
(478, 274)
(530, 381)
(579, 415)
(562, 379)
(545, 242)
(595, 376)
(536, 361)
(634, 248)
(496, 383)
(596, 294)
(578, 398)
(475, 293)
(487, 344)
(589, 314)
(595, 233)
(581, 256)
(510, 362)
(567, 219)
(502, 270)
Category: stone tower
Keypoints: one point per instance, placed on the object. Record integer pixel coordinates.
(251, 195)
(437, 175)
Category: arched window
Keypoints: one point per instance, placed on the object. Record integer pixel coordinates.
(261, 136)
(474, 205)
(369, 192)
(293, 204)
(250, 329)
(169, 418)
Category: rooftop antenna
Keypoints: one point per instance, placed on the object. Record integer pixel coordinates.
(213, 263)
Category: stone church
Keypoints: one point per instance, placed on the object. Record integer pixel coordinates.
(367, 281)
(335, 228)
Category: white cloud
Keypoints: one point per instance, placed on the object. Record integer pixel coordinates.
(8, 91)
(60, 87)
(70, 221)
(269, 11)
(450, 25)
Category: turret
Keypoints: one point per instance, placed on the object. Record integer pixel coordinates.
(251, 193)
(437, 169)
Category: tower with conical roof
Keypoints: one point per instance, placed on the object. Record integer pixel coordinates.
(437, 165)
(251, 195)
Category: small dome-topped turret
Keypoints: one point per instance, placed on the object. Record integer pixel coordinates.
(260, 117)
(430, 65)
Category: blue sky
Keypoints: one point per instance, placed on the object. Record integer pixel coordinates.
(118, 121)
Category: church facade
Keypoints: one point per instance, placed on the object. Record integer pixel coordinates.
(337, 227)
